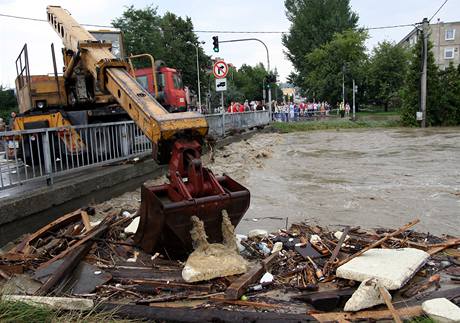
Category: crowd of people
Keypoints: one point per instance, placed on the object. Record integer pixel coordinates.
(286, 111)
(247, 106)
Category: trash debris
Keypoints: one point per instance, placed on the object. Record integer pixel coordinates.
(257, 233)
(441, 310)
(262, 275)
(266, 278)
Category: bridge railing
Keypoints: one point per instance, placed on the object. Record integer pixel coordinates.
(44, 154)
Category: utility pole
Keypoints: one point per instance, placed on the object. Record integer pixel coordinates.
(198, 72)
(354, 106)
(343, 84)
(423, 80)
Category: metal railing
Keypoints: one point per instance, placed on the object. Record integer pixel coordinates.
(221, 124)
(47, 153)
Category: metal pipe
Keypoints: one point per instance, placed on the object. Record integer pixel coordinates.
(73, 62)
(154, 75)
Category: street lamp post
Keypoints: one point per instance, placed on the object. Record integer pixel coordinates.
(198, 72)
(268, 67)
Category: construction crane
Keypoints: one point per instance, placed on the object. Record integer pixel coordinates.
(111, 74)
(177, 139)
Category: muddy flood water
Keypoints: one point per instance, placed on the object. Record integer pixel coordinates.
(367, 178)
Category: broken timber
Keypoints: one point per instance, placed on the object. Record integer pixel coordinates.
(238, 287)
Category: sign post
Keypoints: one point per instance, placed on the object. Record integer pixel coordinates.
(220, 71)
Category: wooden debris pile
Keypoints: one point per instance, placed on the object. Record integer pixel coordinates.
(292, 274)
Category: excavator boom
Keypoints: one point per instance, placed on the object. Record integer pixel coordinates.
(112, 75)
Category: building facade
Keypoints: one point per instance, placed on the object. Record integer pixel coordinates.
(445, 37)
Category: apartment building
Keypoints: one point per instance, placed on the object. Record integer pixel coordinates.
(445, 37)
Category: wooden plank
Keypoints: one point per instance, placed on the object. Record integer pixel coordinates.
(56, 224)
(379, 242)
(245, 303)
(239, 286)
(327, 267)
(94, 233)
(86, 221)
(406, 312)
(390, 306)
(441, 247)
(65, 269)
(172, 285)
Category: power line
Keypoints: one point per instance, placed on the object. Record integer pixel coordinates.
(438, 10)
(215, 31)
(44, 20)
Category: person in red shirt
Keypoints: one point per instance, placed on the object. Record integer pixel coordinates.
(235, 107)
(240, 107)
(231, 107)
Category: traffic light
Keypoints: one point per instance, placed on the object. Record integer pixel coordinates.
(270, 78)
(215, 43)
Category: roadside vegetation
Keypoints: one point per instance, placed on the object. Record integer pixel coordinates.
(20, 312)
(286, 127)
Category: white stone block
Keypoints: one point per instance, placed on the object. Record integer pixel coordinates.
(392, 267)
(442, 310)
(367, 295)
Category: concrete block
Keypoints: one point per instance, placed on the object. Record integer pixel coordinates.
(442, 310)
(367, 295)
(62, 303)
(392, 267)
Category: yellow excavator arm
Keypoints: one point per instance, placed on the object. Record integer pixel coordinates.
(112, 75)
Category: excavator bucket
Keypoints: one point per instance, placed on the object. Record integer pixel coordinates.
(166, 210)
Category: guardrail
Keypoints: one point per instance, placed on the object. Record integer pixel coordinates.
(51, 152)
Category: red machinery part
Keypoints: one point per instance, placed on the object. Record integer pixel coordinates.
(193, 190)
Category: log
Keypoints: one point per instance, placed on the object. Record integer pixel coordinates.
(379, 242)
(199, 315)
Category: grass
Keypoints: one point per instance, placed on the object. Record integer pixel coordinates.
(334, 124)
(379, 113)
(421, 319)
(20, 312)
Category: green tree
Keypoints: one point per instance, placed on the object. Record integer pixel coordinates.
(386, 72)
(448, 113)
(8, 103)
(343, 55)
(313, 24)
(411, 89)
(169, 38)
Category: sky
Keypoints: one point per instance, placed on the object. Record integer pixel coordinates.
(237, 15)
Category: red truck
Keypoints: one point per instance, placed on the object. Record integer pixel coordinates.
(171, 93)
